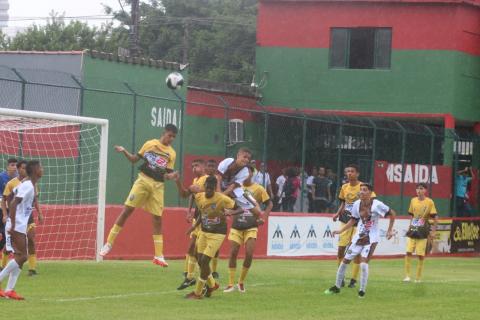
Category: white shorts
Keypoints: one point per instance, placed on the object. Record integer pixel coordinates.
(354, 250)
(8, 237)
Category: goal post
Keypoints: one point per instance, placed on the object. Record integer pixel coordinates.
(73, 151)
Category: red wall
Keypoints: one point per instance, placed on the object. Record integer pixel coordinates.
(415, 26)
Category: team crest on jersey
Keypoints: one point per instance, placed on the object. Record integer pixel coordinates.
(131, 197)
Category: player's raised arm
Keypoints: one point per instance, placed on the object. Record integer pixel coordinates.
(131, 157)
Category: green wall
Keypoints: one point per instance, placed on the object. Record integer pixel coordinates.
(418, 81)
(118, 108)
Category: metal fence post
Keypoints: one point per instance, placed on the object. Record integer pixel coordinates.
(404, 139)
(182, 131)
(82, 91)
(134, 127)
(431, 160)
(24, 85)
(304, 148)
(374, 151)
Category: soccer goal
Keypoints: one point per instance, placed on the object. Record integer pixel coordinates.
(73, 152)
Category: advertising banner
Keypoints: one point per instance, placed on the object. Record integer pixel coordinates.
(313, 236)
(465, 236)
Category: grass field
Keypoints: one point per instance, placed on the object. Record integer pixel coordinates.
(276, 289)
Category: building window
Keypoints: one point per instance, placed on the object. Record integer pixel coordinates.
(360, 48)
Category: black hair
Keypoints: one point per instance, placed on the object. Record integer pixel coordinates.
(422, 184)
(201, 161)
(354, 166)
(211, 181)
(31, 165)
(12, 160)
(244, 150)
(172, 128)
(368, 185)
(212, 161)
(20, 162)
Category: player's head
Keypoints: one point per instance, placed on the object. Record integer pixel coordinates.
(169, 134)
(211, 167)
(22, 169)
(366, 190)
(352, 171)
(34, 169)
(11, 166)
(210, 186)
(198, 167)
(322, 171)
(314, 171)
(421, 189)
(243, 156)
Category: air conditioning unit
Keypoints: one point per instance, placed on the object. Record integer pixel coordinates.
(236, 131)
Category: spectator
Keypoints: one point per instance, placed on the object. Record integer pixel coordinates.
(310, 188)
(263, 178)
(291, 190)
(333, 189)
(462, 179)
(280, 182)
(321, 191)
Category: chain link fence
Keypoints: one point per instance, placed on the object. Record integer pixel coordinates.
(393, 154)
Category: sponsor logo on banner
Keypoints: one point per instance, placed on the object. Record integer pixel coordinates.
(441, 243)
(313, 236)
(312, 242)
(465, 236)
(295, 239)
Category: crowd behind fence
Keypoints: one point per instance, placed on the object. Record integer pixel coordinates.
(215, 124)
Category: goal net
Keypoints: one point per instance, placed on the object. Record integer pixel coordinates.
(71, 193)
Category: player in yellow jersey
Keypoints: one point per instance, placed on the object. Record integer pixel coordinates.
(422, 209)
(349, 193)
(214, 207)
(147, 192)
(198, 185)
(244, 232)
(7, 196)
(211, 169)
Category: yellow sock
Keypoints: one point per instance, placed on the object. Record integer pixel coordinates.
(192, 262)
(199, 286)
(419, 269)
(243, 275)
(113, 234)
(4, 259)
(355, 271)
(185, 264)
(32, 262)
(158, 244)
(408, 265)
(210, 281)
(214, 264)
(231, 276)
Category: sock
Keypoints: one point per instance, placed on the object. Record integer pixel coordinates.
(199, 286)
(12, 280)
(243, 275)
(214, 264)
(192, 263)
(419, 269)
(158, 244)
(408, 265)
(113, 234)
(32, 262)
(363, 276)
(4, 259)
(339, 261)
(355, 271)
(210, 281)
(12, 265)
(186, 263)
(340, 274)
(231, 276)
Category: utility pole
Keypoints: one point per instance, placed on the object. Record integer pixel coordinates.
(186, 40)
(133, 35)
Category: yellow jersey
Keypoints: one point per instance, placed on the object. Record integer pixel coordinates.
(258, 192)
(421, 211)
(200, 181)
(212, 211)
(158, 158)
(349, 194)
(12, 184)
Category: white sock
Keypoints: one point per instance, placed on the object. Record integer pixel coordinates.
(341, 274)
(363, 276)
(11, 265)
(13, 279)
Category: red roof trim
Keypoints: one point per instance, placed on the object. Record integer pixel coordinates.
(468, 2)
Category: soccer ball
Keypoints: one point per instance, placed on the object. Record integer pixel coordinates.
(174, 80)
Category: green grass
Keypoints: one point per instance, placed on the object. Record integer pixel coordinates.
(276, 289)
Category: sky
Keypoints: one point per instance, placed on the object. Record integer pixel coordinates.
(20, 10)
